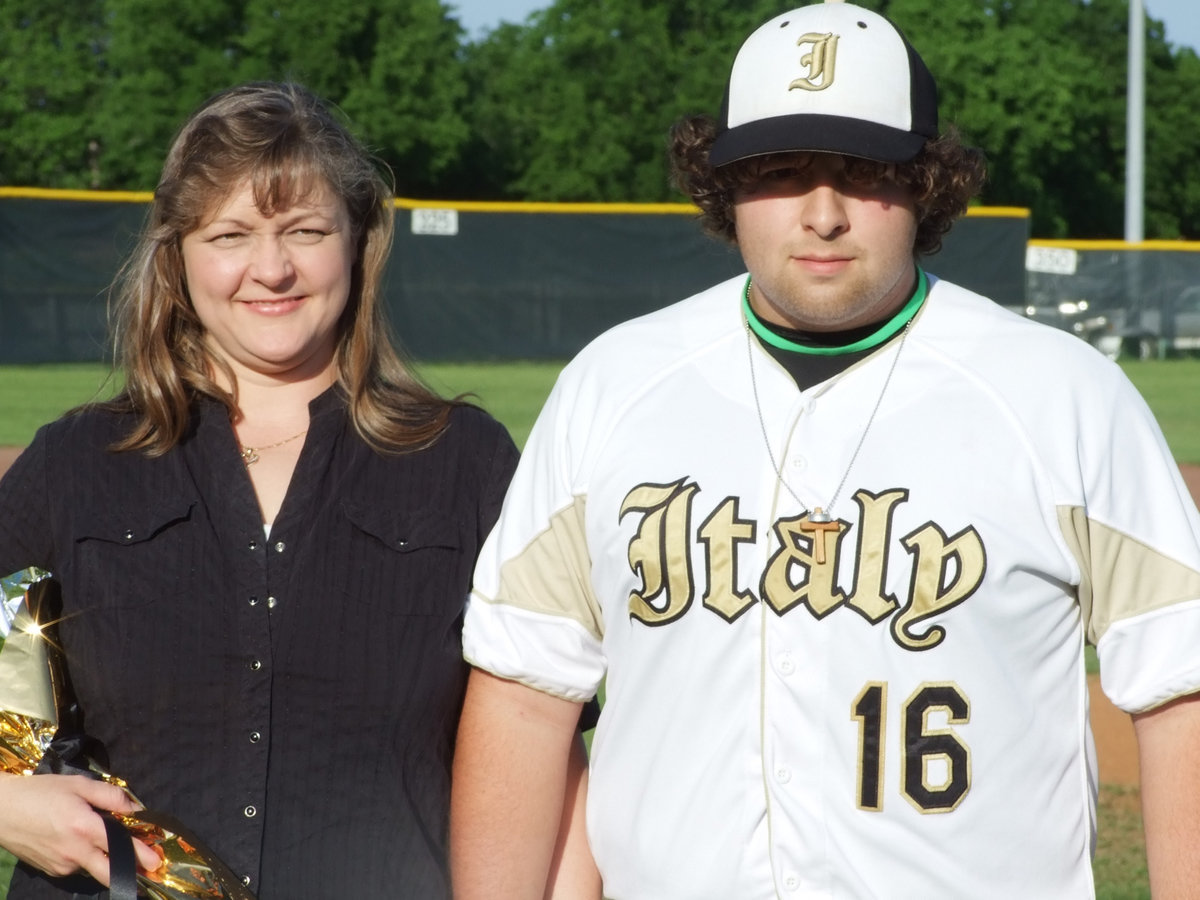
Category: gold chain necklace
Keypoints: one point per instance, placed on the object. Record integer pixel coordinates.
(250, 454)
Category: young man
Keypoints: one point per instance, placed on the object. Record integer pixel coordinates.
(834, 536)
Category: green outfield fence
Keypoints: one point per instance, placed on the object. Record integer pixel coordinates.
(1134, 299)
(467, 281)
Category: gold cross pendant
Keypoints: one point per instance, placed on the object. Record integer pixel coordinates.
(819, 524)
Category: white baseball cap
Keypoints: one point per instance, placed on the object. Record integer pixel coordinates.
(830, 77)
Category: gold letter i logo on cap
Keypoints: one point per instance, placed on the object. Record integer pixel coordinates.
(820, 62)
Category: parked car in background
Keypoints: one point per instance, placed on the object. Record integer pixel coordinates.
(1128, 333)
(1075, 316)
(1129, 303)
(1150, 333)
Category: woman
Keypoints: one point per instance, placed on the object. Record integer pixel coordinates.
(265, 542)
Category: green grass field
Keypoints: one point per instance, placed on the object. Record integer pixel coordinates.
(513, 392)
(30, 396)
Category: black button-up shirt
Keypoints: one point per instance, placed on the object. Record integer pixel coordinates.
(291, 698)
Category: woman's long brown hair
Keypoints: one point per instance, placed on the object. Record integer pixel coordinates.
(286, 143)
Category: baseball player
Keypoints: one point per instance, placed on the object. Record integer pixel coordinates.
(833, 535)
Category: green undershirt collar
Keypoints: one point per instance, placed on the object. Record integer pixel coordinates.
(882, 334)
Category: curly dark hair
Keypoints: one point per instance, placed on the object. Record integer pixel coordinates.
(943, 178)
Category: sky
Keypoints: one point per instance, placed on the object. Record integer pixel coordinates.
(1181, 17)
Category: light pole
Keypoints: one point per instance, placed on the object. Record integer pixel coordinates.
(1135, 125)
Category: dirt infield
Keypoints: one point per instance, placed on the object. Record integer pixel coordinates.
(1115, 741)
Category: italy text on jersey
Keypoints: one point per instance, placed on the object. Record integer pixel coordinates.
(947, 568)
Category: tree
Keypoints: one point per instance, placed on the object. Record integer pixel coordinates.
(576, 104)
(1040, 86)
(392, 66)
(50, 71)
(1017, 82)
(411, 101)
(161, 60)
(1172, 191)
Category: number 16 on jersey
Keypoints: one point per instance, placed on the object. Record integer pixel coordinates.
(935, 765)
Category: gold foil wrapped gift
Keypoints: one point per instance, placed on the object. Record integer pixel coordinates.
(33, 697)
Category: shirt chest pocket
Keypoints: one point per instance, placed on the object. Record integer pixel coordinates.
(137, 555)
(405, 562)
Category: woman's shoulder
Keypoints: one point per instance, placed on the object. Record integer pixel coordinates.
(74, 454)
(473, 457)
(471, 440)
(471, 447)
(69, 466)
(462, 430)
(473, 421)
(95, 425)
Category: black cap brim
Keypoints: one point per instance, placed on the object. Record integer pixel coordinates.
(822, 134)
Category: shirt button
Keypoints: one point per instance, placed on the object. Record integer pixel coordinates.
(129, 535)
(246, 880)
(791, 882)
(253, 601)
(800, 463)
(783, 774)
(271, 601)
(786, 664)
(255, 737)
(279, 546)
(250, 812)
(255, 666)
(253, 545)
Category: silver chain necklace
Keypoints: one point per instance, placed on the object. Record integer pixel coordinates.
(819, 519)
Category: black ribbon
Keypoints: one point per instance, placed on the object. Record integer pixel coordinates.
(122, 861)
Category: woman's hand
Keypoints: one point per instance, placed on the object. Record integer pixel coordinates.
(51, 822)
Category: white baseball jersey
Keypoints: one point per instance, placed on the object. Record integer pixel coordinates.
(894, 706)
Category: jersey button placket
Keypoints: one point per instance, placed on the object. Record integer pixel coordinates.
(794, 661)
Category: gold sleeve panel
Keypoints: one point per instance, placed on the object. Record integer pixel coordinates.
(552, 575)
(1134, 579)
